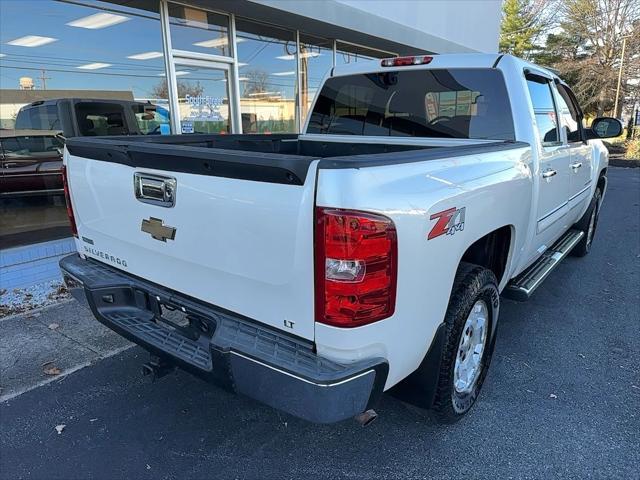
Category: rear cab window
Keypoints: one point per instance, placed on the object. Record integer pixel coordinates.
(101, 118)
(442, 103)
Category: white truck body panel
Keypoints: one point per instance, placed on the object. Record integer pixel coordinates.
(248, 246)
(407, 194)
(242, 245)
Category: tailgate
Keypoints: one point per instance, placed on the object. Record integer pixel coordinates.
(242, 241)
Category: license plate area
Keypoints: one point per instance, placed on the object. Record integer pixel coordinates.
(173, 316)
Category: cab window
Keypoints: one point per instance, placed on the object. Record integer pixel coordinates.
(43, 117)
(570, 115)
(151, 119)
(544, 109)
(98, 119)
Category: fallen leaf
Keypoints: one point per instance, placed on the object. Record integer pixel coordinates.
(60, 428)
(92, 420)
(54, 326)
(553, 395)
(148, 467)
(52, 370)
(581, 355)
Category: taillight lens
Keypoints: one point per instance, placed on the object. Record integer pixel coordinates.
(356, 267)
(406, 61)
(67, 198)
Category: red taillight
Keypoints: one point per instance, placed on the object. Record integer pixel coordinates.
(67, 198)
(406, 61)
(356, 267)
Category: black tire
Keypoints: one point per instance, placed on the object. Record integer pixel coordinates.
(472, 284)
(584, 246)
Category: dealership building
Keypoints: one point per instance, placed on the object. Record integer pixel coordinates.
(206, 66)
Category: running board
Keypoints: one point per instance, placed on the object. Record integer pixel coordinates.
(522, 287)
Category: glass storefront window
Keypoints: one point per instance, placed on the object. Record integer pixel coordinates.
(316, 59)
(199, 31)
(52, 54)
(347, 53)
(268, 71)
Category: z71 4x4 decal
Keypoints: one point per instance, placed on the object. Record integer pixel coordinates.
(448, 222)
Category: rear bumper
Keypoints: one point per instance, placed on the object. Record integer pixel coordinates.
(227, 349)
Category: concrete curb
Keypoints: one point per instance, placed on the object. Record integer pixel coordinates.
(621, 162)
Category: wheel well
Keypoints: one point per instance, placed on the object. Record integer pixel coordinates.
(491, 251)
(602, 179)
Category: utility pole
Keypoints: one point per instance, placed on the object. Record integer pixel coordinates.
(615, 105)
(44, 79)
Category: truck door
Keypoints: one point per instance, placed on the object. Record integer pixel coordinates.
(553, 172)
(581, 153)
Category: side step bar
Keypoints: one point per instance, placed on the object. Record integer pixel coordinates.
(522, 287)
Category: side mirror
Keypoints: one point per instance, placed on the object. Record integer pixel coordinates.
(604, 127)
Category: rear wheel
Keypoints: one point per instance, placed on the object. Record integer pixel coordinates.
(471, 316)
(588, 224)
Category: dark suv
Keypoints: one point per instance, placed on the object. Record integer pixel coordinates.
(78, 117)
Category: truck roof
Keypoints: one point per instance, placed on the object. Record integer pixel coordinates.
(448, 60)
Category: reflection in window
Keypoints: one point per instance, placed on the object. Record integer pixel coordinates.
(544, 109)
(199, 31)
(458, 103)
(316, 59)
(203, 100)
(53, 50)
(267, 66)
(347, 53)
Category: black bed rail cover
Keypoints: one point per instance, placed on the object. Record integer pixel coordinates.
(199, 160)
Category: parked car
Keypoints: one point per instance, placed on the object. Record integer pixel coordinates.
(82, 117)
(313, 272)
(30, 162)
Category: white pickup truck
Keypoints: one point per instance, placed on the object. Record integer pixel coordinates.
(313, 272)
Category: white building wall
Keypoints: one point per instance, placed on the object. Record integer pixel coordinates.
(474, 24)
(440, 26)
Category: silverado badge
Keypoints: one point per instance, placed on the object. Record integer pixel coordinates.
(157, 230)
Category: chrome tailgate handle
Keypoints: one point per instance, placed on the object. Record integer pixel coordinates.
(155, 189)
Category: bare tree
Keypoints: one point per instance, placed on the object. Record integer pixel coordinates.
(185, 88)
(590, 50)
(257, 82)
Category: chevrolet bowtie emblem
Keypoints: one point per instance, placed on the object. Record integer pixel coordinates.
(157, 230)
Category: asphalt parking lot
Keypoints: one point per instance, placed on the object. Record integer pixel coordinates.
(562, 399)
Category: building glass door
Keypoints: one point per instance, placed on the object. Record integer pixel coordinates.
(203, 96)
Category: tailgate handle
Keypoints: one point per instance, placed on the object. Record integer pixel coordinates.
(155, 189)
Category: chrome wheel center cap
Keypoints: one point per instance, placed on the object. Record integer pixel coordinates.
(471, 348)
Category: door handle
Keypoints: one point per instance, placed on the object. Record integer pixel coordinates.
(576, 165)
(155, 189)
(549, 173)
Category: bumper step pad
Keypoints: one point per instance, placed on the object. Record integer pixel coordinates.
(140, 323)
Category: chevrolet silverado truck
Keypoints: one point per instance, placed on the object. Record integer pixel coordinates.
(313, 272)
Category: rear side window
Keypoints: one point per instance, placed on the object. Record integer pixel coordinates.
(43, 117)
(99, 119)
(455, 103)
(544, 109)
